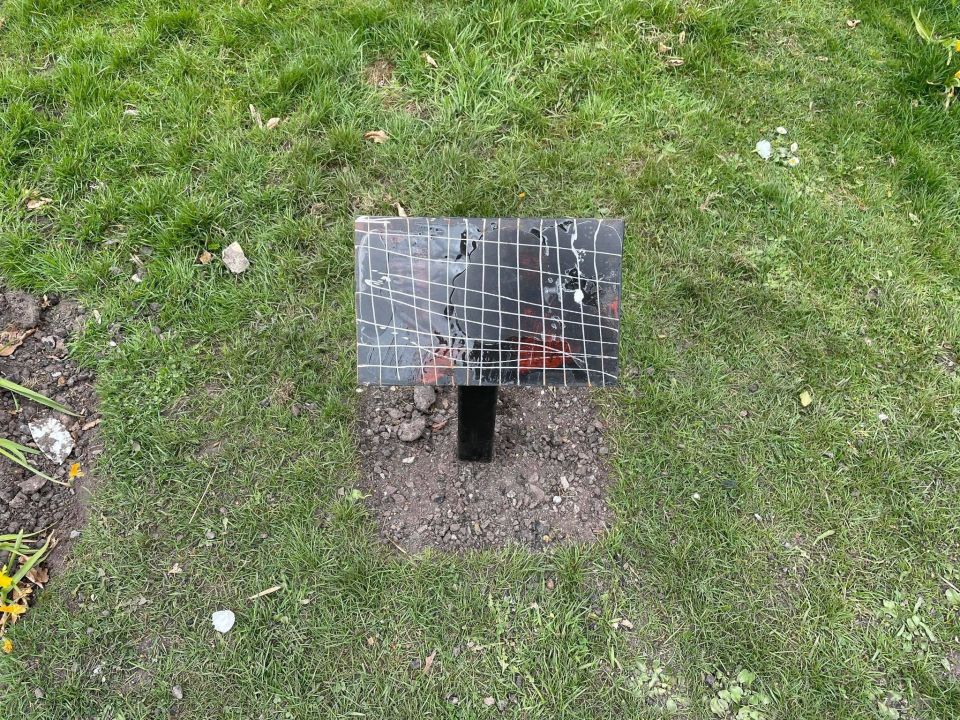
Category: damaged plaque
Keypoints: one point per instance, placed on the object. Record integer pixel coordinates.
(487, 301)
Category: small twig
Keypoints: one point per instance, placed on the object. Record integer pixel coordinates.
(268, 591)
(200, 501)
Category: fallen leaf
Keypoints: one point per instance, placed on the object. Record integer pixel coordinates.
(131, 111)
(92, 424)
(674, 61)
(175, 569)
(853, 23)
(11, 339)
(428, 662)
(257, 117)
(376, 136)
(52, 437)
(371, 641)
(38, 576)
(37, 203)
(268, 591)
(223, 620)
(429, 60)
(438, 426)
(235, 259)
(401, 212)
(806, 398)
(205, 257)
(663, 48)
(272, 123)
(488, 701)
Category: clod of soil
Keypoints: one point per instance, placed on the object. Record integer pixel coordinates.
(28, 502)
(546, 485)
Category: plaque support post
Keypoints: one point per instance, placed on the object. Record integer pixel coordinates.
(476, 419)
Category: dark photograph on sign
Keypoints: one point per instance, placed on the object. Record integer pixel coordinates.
(494, 301)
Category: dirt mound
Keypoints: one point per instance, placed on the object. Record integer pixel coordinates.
(33, 353)
(546, 485)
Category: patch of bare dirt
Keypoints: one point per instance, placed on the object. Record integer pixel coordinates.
(28, 502)
(547, 483)
(379, 74)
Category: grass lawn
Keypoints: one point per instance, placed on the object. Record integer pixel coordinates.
(751, 534)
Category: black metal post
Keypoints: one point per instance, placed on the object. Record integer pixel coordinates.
(476, 419)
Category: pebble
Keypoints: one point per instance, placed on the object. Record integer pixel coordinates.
(424, 396)
(177, 692)
(413, 429)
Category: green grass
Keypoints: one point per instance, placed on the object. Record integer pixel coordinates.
(745, 284)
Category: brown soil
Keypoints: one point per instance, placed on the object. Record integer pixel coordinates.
(546, 485)
(379, 74)
(28, 502)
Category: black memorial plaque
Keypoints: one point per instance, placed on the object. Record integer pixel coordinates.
(487, 301)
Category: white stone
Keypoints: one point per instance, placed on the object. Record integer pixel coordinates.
(223, 620)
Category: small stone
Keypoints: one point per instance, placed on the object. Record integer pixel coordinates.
(177, 692)
(424, 396)
(74, 534)
(564, 483)
(696, 496)
(32, 485)
(235, 259)
(413, 429)
(557, 499)
(210, 535)
(489, 701)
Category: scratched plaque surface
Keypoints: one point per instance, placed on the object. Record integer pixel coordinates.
(487, 301)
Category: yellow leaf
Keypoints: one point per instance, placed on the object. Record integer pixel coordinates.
(7, 646)
(13, 609)
(37, 203)
(5, 581)
(376, 136)
(806, 398)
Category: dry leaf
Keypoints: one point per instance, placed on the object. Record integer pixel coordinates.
(438, 426)
(272, 123)
(235, 259)
(37, 203)
(428, 662)
(92, 424)
(376, 136)
(205, 257)
(429, 60)
(674, 61)
(131, 111)
(11, 339)
(255, 114)
(175, 570)
(38, 576)
(663, 48)
(400, 211)
(853, 23)
(805, 398)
